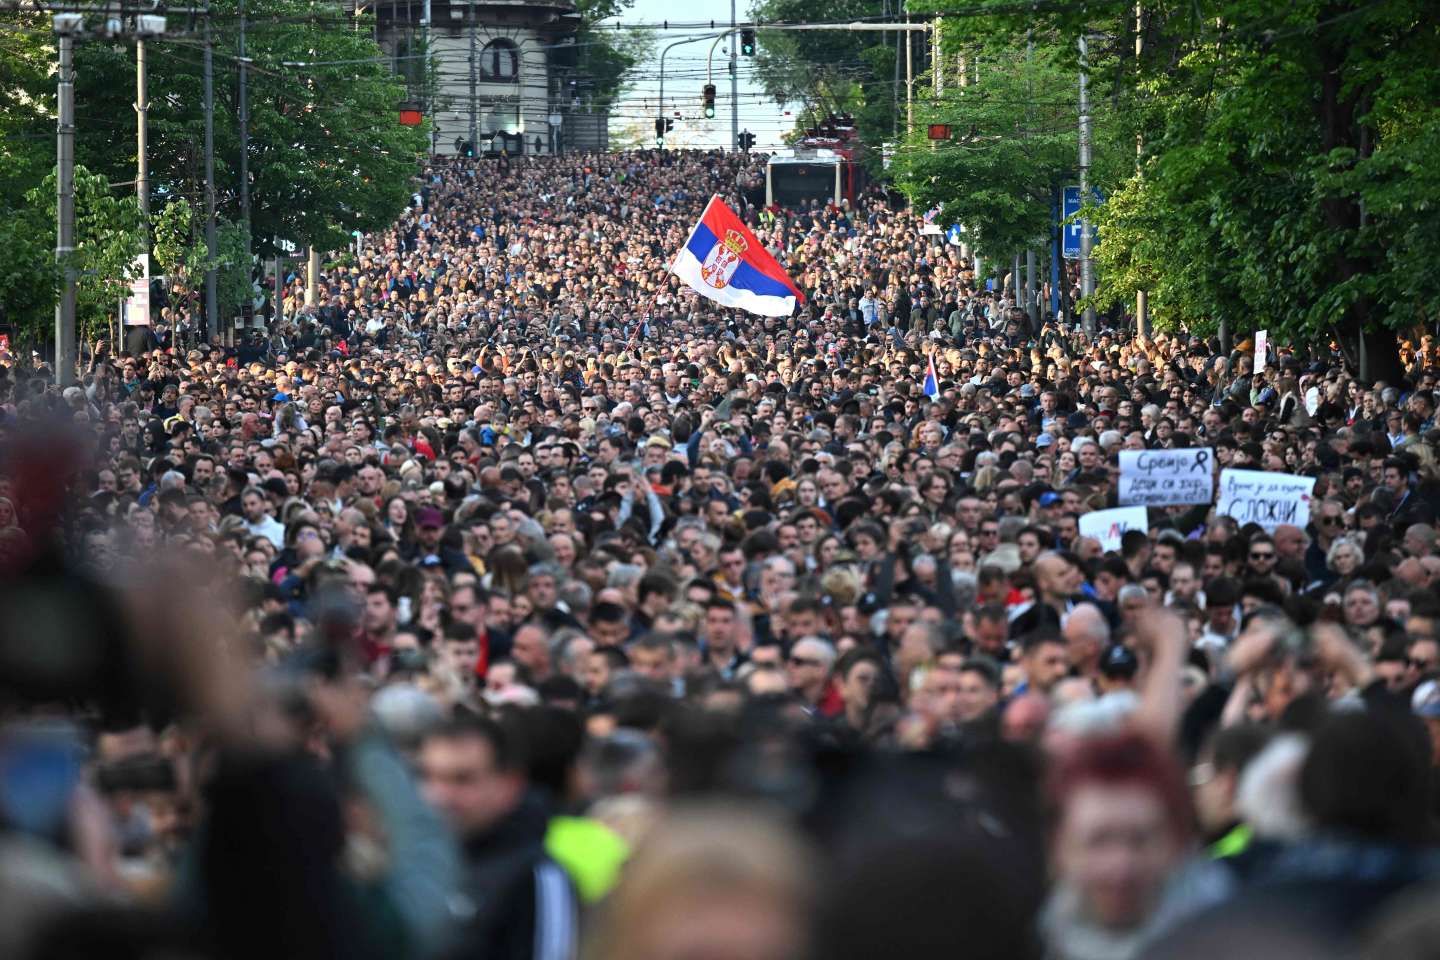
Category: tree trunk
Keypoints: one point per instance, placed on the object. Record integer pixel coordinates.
(1363, 335)
(1380, 356)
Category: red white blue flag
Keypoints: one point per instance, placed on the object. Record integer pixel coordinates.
(723, 261)
(931, 387)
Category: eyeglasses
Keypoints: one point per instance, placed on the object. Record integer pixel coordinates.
(1331, 521)
(1420, 665)
(1261, 555)
(805, 662)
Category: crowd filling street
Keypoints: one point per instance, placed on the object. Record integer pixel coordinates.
(511, 600)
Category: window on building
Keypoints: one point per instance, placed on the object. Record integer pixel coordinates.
(500, 62)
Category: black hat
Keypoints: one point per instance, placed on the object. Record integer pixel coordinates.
(1119, 663)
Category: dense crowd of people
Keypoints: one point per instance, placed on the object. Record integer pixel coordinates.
(511, 600)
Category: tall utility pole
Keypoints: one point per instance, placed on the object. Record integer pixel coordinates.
(212, 308)
(909, 80)
(429, 109)
(1016, 283)
(312, 276)
(142, 109)
(734, 82)
(244, 105)
(937, 71)
(474, 123)
(1087, 265)
(66, 26)
(1031, 309)
(895, 89)
(1142, 298)
(142, 161)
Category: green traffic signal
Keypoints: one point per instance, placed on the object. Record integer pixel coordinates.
(747, 43)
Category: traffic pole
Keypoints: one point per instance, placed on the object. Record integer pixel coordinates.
(65, 26)
(734, 82)
(244, 111)
(142, 110)
(1087, 265)
(474, 122)
(212, 308)
(312, 277)
(1031, 308)
(909, 81)
(1142, 297)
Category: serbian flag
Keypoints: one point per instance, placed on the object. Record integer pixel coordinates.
(725, 262)
(931, 387)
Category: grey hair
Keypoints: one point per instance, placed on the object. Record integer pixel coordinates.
(547, 570)
(822, 647)
(1268, 793)
(576, 595)
(623, 575)
(1010, 528)
(783, 564)
(1131, 591)
(964, 588)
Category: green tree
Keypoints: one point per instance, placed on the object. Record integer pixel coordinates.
(327, 154)
(1014, 142)
(830, 71)
(602, 58)
(1289, 171)
(180, 252)
(109, 235)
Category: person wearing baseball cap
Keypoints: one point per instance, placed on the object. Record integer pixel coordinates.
(1118, 667)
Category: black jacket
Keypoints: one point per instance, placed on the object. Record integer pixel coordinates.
(522, 904)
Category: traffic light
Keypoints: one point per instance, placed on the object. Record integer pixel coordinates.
(659, 126)
(747, 140)
(709, 95)
(747, 43)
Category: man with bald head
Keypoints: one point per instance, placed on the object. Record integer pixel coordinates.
(1057, 580)
(1290, 544)
(1087, 634)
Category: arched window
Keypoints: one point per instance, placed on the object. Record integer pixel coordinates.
(500, 62)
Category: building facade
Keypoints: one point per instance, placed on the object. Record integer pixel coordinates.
(503, 73)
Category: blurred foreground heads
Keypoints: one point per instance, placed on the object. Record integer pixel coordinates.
(711, 884)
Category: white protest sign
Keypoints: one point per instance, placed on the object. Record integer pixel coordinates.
(1162, 478)
(1108, 526)
(1262, 343)
(1269, 499)
(137, 305)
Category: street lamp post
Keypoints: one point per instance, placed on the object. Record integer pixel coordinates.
(664, 53)
(67, 25)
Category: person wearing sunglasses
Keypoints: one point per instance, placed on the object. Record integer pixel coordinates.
(807, 670)
(1260, 561)
(1326, 526)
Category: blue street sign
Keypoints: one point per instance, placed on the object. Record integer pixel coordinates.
(1069, 207)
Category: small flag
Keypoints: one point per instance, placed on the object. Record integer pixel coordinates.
(931, 387)
(723, 261)
(931, 214)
